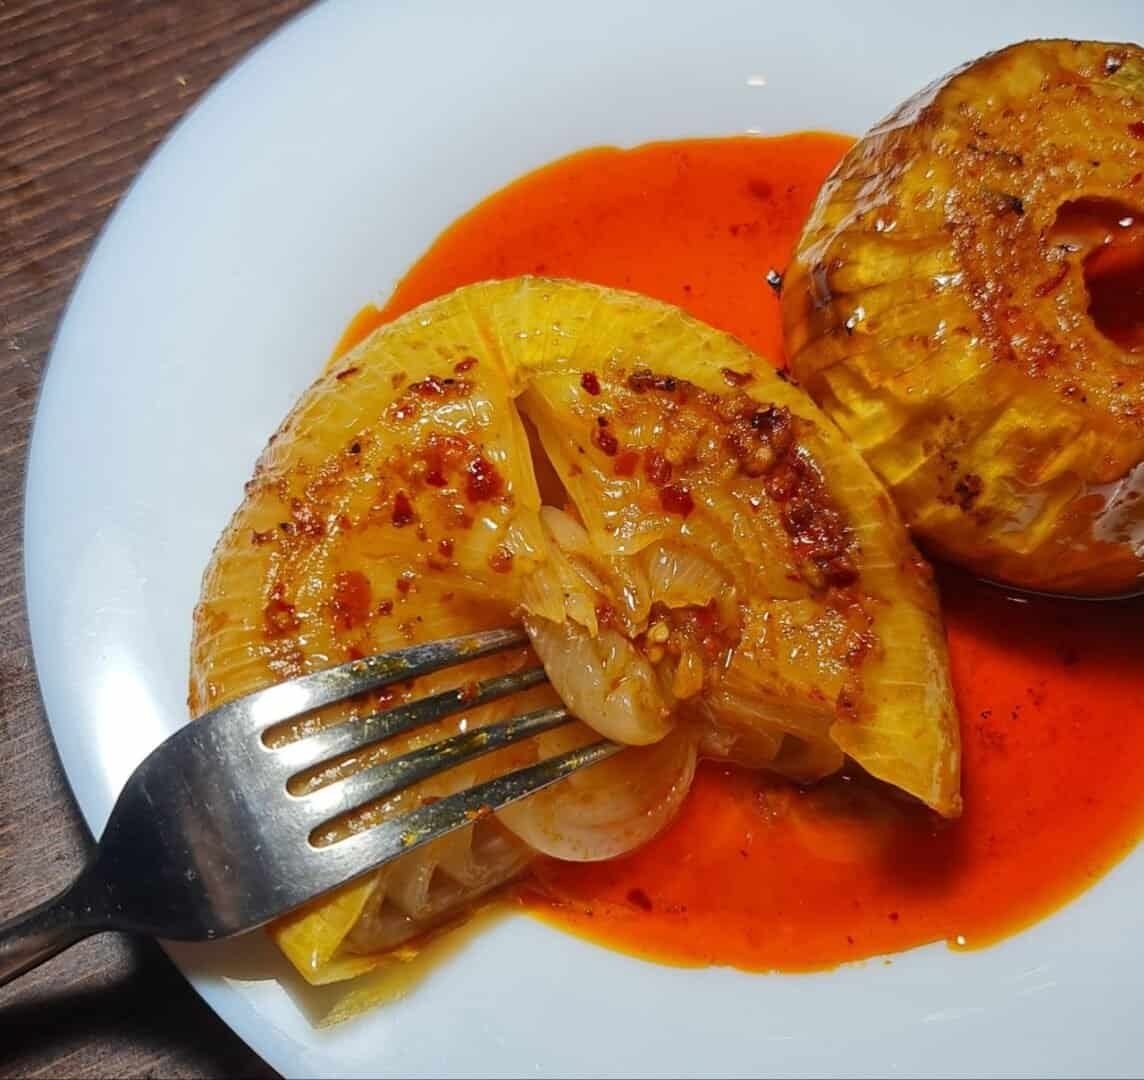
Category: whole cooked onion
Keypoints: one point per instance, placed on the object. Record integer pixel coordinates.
(952, 305)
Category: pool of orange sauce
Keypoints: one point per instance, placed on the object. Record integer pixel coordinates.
(756, 873)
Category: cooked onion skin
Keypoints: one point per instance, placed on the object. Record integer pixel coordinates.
(935, 310)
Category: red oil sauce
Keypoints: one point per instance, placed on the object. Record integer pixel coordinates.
(756, 873)
(1115, 279)
(1110, 236)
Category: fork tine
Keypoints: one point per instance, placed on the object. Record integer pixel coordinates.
(364, 851)
(287, 700)
(354, 735)
(390, 777)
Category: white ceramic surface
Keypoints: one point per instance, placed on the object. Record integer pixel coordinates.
(300, 188)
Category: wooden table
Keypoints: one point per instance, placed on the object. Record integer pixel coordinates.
(87, 88)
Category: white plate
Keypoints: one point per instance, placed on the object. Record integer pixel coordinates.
(301, 188)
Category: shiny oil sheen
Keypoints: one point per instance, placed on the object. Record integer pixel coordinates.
(755, 873)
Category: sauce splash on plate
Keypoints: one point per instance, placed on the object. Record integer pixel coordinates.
(756, 873)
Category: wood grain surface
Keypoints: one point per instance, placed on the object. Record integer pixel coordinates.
(87, 89)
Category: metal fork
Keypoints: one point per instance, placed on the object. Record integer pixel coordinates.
(205, 841)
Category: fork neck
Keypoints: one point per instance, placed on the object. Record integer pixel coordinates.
(27, 940)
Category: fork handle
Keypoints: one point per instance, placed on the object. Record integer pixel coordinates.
(27, 940)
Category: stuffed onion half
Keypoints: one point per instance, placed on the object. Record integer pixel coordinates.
(704, 565)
